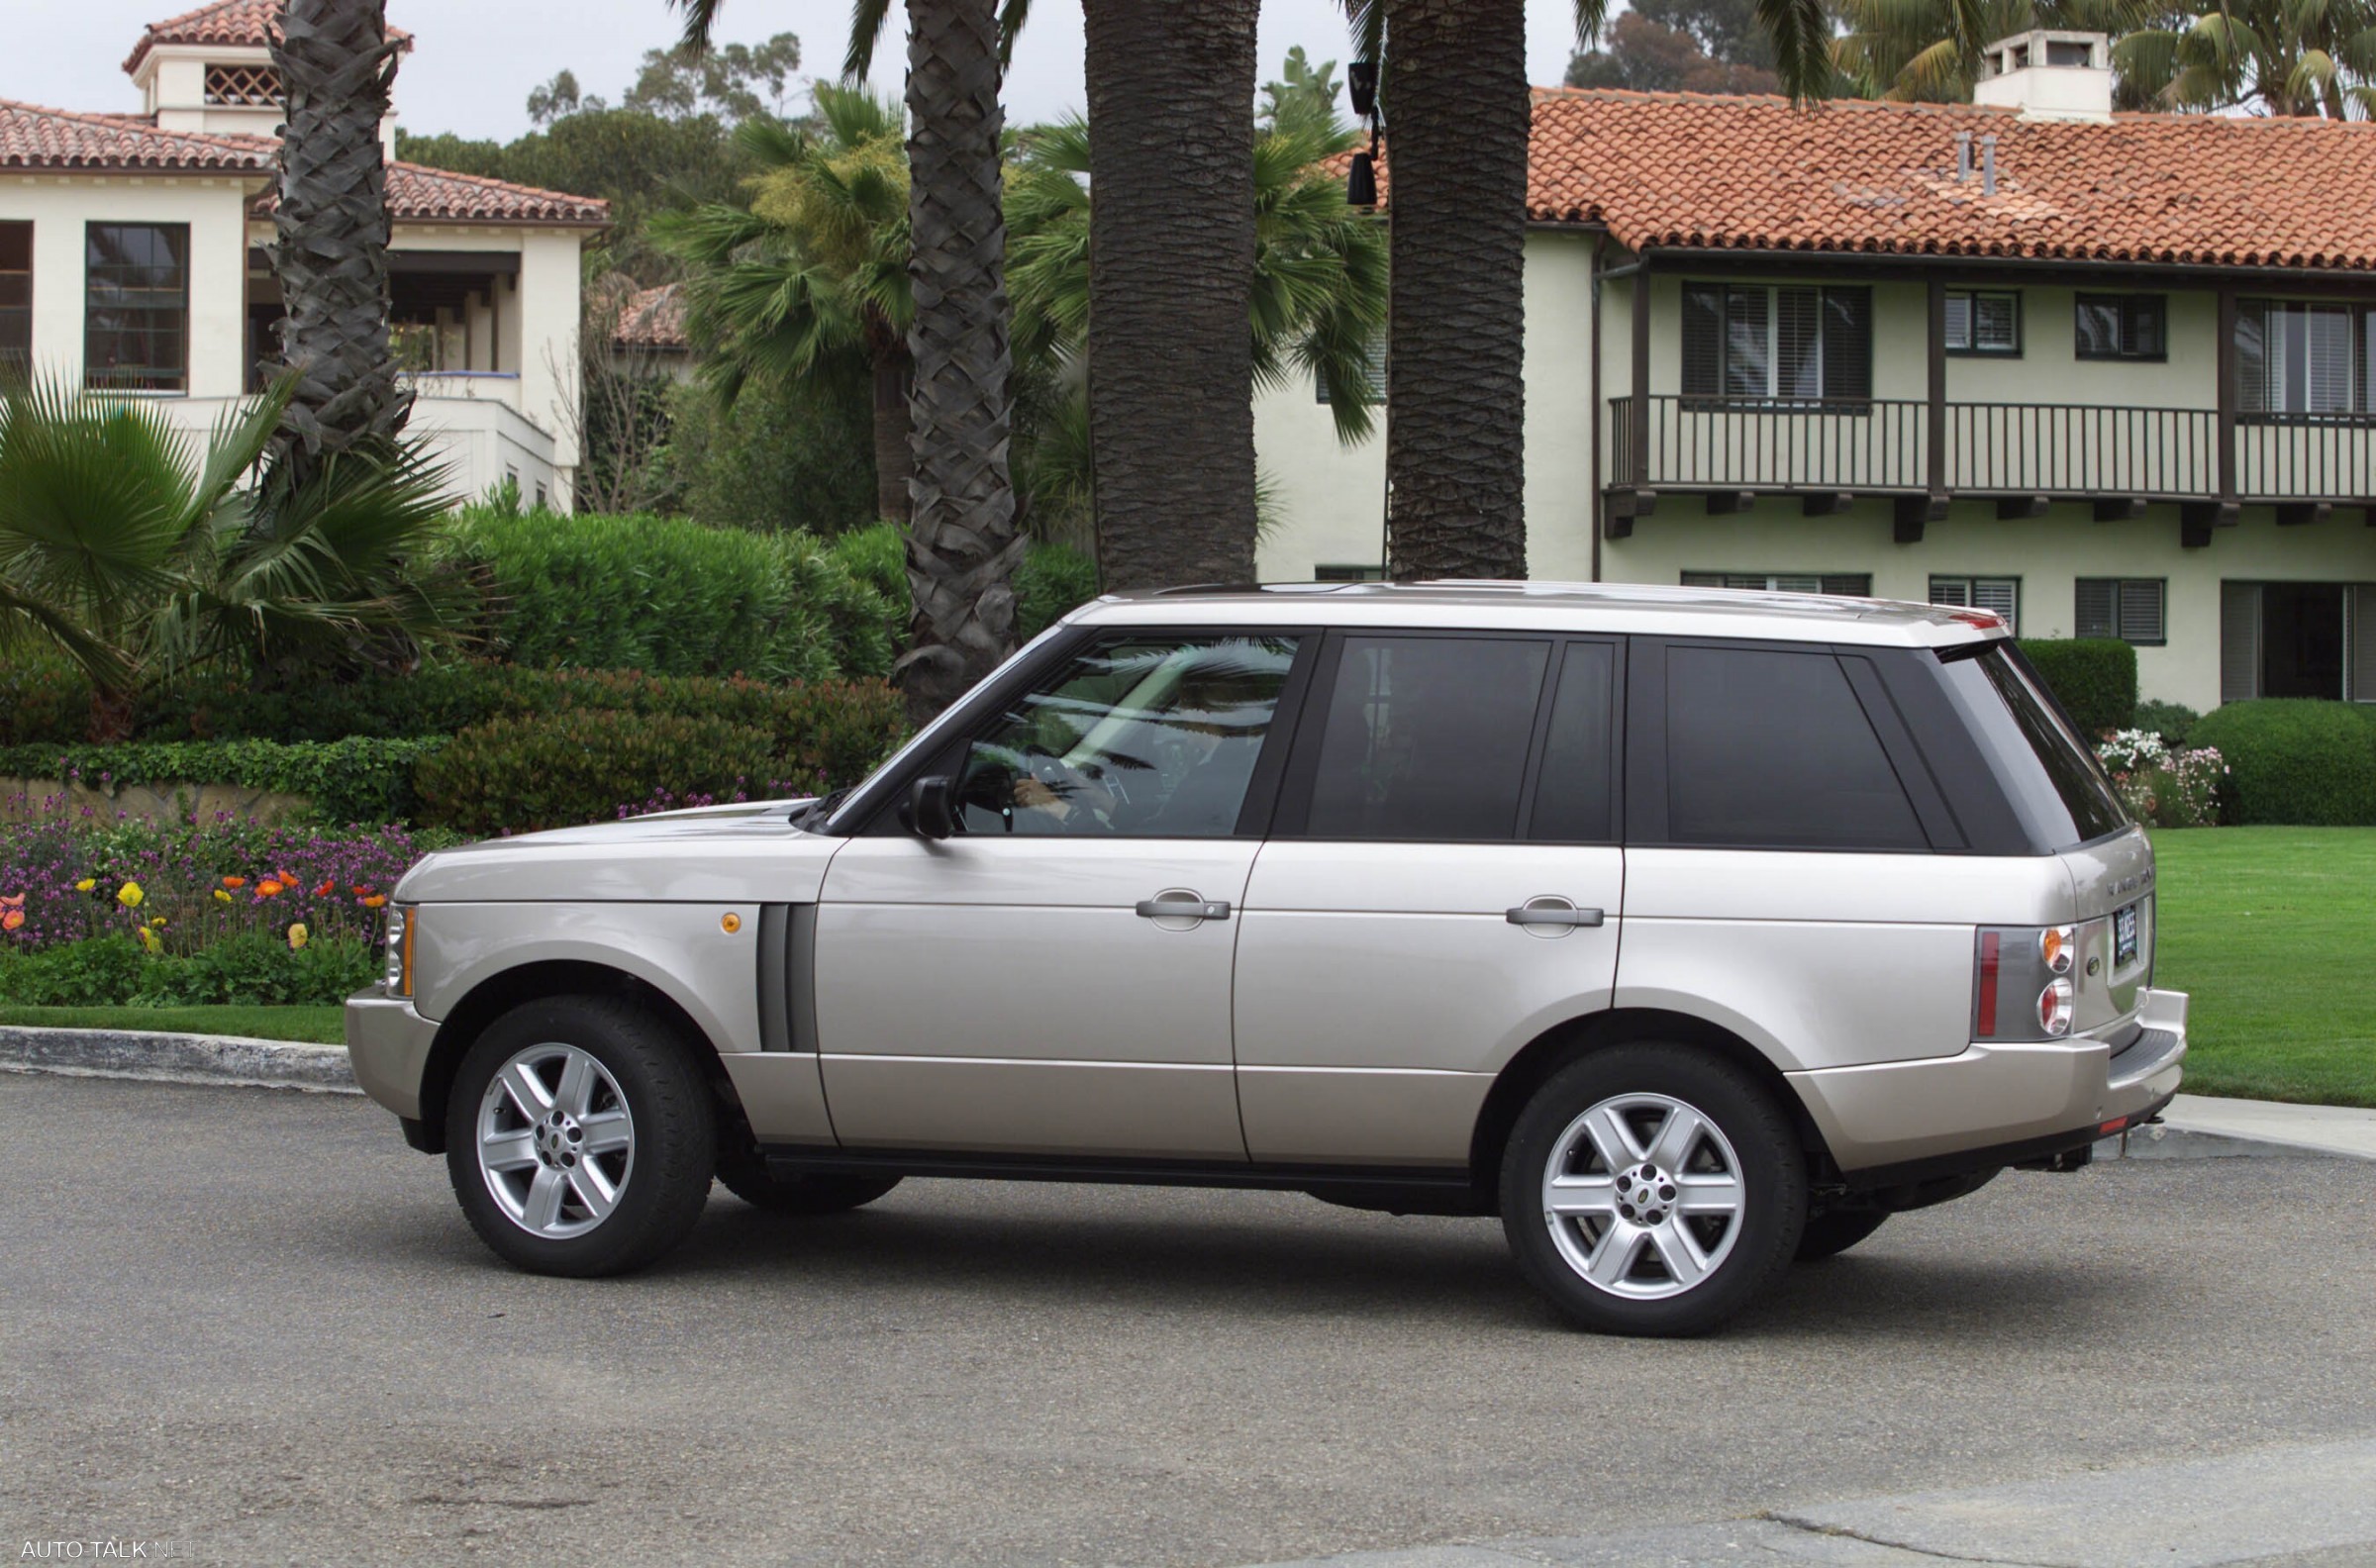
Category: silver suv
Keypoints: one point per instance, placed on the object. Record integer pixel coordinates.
(1687, 931)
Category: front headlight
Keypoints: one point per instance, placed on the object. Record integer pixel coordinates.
(398, 978)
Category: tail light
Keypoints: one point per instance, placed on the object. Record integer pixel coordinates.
(2021, 987)
(2054, 1009)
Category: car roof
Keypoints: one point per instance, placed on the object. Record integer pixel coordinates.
(1552, 607)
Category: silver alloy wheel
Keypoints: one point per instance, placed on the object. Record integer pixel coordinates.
(1644, 1196)
(556, 1141)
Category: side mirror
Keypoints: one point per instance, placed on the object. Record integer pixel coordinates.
(933, 807)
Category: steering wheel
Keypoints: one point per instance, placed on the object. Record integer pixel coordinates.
(1069, 783)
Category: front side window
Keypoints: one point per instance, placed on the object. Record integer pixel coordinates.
(2000, 594)
(1984, 322)
(1856, 585)
(2127, 607)
(1763, 342)
(1771, 749)
(1426, 738)
(2299, 358)
(16, 297)
(2123, 327)
(137, 307)
(1138, 737)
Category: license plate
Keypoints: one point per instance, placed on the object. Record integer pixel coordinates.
(2123, 937)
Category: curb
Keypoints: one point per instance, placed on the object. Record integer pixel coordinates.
(177, 1058)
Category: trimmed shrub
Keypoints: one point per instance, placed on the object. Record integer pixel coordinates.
(358, 779)
(2173, 721)
(781, 458)
(2094, 677)
(2296, 761)
(1052, 579)
(671, 597)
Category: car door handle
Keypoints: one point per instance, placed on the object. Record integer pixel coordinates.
(1531, 915)
(1183, 909)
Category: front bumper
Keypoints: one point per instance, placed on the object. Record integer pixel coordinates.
(1898, 1115)
(388, 1043)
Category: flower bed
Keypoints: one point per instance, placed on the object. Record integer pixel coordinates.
(2162, 785)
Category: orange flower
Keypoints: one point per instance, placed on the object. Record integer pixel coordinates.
(375, 900)
(235, 883)
(11, 918)
(13, 901)
(268, 888)
(327, 888)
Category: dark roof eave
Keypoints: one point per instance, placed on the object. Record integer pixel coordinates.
(1927, 262)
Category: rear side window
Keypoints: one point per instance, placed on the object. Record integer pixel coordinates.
(2055, 783)
(1573, 797)
(1426, 738)
(1771, 749)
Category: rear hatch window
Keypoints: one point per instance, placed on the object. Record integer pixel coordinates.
(2048, 772)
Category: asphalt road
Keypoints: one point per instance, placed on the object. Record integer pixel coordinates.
(252, 1326)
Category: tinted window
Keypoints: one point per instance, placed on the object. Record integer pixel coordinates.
(1426, 738)
(1572, 798)
(2055, 783)
(1772, 749)
(1153, 737)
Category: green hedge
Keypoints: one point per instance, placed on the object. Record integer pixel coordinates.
(2095, 678)
(2296, 761)
(359, 779)
(1052, 579)
(248, 969)
(671, 597)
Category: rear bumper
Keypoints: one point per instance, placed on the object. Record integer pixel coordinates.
(388, 1045)
(1894, 1116)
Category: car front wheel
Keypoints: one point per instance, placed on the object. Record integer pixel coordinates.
(580, 1136)
(1652, 1188)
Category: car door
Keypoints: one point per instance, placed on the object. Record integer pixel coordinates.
(1443, 885)
(1054, 978)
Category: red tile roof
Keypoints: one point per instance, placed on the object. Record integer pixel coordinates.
(34, 137)
(1687, 171)
(652, 318)
(244, 23)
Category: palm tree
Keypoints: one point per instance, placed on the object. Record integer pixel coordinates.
(811, 280)
(331, 223)
(139, 558)
(2283, 56)
(1458, 114)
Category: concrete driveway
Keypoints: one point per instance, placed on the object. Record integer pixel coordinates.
(251, 1325)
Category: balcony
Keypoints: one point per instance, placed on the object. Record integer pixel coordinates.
(2022, 455)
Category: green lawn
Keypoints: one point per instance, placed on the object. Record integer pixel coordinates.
(320, 1024)
(2273, 932)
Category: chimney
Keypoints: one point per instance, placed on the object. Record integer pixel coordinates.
(2049, 75)
(1963, 156)
(1988, 166)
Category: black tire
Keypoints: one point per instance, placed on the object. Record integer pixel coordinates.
(1754, 1246)
(666, 1178)
(1831, 1231)
(741, 1172)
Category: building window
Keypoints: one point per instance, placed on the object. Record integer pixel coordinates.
(2123, 326)
(1373, 373)
(137, 307)
(1348, 574)
(2296, 640)
(2000, 594)
(1856, 585)
(242, 86)
(2128, 608)
(2297, 358)
(16, 296)
(1984, 322)
(1764, 344)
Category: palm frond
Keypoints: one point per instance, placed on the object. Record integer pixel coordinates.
(865, 33)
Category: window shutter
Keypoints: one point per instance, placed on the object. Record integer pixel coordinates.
(2140, 326)
(2239, 642)
(2360, 643)
(2329, 359)
(1702, 579)
(1959, 321)
(1749, 350)
(1956, 590)
(2093, 614)
(1856, 585)
(2001, 594)
(1849, 345)
(1799, 328)
(1703, 340)
(1997, 322)
(2253, 356)
(2140, 619)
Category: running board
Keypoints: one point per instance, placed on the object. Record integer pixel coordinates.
(1417, 1182)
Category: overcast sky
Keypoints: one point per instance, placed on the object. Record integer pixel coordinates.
(474, 60)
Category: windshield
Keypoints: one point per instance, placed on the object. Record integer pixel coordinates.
(2053, 776)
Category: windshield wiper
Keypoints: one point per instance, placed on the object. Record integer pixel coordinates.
(819, 810)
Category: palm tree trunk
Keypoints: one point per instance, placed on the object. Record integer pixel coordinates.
(894, 464)
(331, 220)
(962, 544)
(1171, 246)
(1457, 112)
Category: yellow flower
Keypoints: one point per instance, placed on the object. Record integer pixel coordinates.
(86, 884)
(157, 923)
(297, 936)
(148, 940)
(130, 895)
(221, 897)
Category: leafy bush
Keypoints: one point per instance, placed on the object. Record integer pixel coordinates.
(253, 969)
(877, 556)
(2173, 721)
(674, 598)
(43, 698)
(2295, 759)
(1053, 579)
(97, 971)
(798, 459)
(2094, 677)
(358, 779)
(2164, 786)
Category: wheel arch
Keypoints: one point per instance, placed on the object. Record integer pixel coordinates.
(499, 992)
(1555, 1047)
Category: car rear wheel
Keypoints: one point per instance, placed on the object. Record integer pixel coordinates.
(1652, 1188)
(580, 1136)
(1831, 1231)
